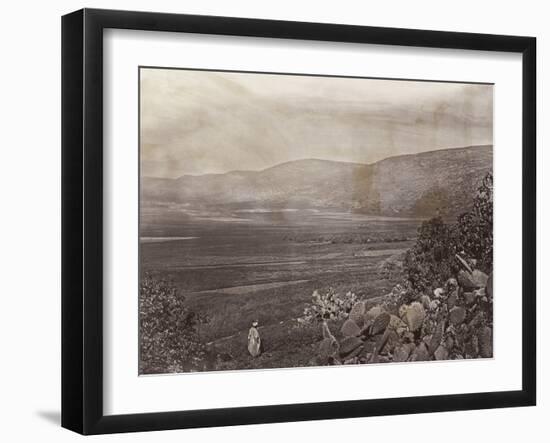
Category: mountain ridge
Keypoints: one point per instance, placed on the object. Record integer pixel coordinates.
(409, 184)
(244, 171)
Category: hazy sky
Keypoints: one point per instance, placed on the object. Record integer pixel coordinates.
(196, 122)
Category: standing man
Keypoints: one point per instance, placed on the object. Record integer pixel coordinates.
(254, 340)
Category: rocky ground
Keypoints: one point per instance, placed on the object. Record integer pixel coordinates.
(454, 322)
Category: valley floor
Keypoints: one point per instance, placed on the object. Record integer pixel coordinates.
(266, 268)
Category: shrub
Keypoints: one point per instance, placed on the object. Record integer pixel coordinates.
(474, 230)
(328, 306)
(431, 261)
(168, 329)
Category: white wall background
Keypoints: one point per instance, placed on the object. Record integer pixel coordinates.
(30, 217)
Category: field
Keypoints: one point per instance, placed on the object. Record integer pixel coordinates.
(238, 266)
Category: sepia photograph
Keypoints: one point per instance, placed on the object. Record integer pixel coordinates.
(294, 220)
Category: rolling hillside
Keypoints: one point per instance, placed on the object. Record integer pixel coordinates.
(418, 185)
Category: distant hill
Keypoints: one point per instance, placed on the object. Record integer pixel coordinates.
(417, 184)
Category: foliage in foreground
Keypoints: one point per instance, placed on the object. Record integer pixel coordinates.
(328, 306)
(474, 229)
(168, 329)
(432, 260)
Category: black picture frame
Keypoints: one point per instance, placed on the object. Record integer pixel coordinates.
(82, 220)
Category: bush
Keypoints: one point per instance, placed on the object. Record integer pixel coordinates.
(474, 231)
(328, 306)
(431, 261)
(168, 329)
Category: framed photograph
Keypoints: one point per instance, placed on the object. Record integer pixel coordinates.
(268, 221)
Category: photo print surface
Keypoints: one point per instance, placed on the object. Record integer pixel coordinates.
(299, 220)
